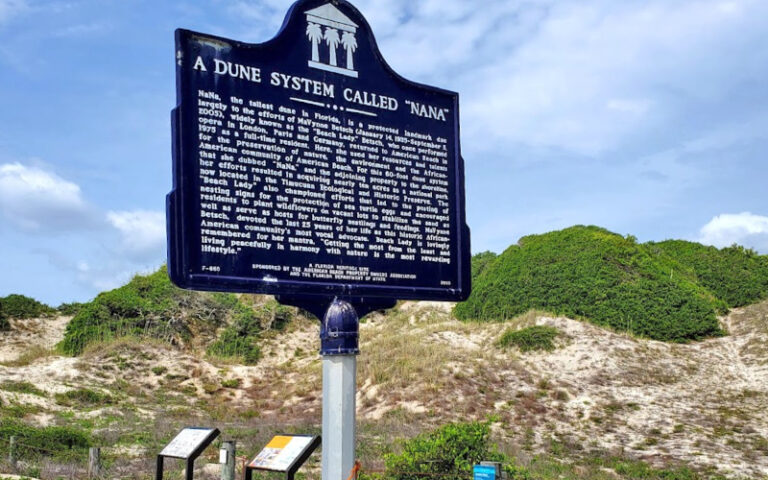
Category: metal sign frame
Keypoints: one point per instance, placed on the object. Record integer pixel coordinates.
(290, 472)
(190, 460)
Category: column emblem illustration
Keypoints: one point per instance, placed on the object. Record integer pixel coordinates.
(328, 27)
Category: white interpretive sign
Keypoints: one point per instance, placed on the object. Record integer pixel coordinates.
(187, 442)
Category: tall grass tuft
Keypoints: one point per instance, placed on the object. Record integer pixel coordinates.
(536, 338)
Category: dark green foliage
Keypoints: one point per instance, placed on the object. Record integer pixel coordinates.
(21, 307)
(530, 339)
(736, 275)
(4, 324)
(451, 450)
(147, 306)
(634, 469)
(274, 316)
(59, 442)
(239, 339)
(591, 273)
(22, 387)
(70, 309)
(231, 383)
(83, 397)
(481, 261)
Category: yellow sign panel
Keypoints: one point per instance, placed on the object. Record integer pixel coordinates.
(279, 441)
(281, 452)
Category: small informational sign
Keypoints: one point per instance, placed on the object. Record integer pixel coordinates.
(283, 452)
(484, 472)
(306, 166)
(189, 441)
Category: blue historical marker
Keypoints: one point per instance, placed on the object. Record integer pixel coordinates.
(306, 168)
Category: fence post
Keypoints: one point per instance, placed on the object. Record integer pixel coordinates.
(12, 453)
(94, 462)
(228, 468)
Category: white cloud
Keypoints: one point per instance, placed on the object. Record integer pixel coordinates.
(584, 76)
(744, 229)
(34, 199)
(142, 231)
(38, 202)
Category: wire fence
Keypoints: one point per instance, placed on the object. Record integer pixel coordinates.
(97, 463)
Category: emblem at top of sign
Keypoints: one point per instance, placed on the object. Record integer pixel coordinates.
(328, 27)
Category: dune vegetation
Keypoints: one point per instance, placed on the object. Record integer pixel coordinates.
(669, 291)
(151, 306)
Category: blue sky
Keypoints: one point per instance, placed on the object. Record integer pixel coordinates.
(645, 117)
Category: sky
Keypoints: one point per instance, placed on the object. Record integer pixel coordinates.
(646, 117)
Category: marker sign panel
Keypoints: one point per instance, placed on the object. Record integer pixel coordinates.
(306, 166)
(187, 442)
(281, 453)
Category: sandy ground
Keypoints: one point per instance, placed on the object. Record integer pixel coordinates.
(703, 404)
(42, 333)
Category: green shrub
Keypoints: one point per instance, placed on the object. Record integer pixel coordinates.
(450, 451)
(736, 275)
(231, 383)
(535, 338)
(239, 341)
(21, 307)
(591, 273)
(83, 397)
(210, 388)
(481, 261)
(60, 442)
(15, 409)
(234, 345)
(22, 387)
(70, 309)
(147, 306)
(274, 316)
(159, 370)
(4, 324)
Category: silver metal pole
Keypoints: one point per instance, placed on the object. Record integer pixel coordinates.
(339, 335)
(339, 385)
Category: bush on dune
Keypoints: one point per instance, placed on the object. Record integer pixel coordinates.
(481, 261)
(31, 441)
(737, 275)
(151, 306)
(4, 324)
(70, 309)
(531, 339)
(22, 307)
(451, 452)
(147, 306)
(238, 341)
(593, 274)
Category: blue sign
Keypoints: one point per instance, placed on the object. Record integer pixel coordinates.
(306, 166)
(484, 472)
